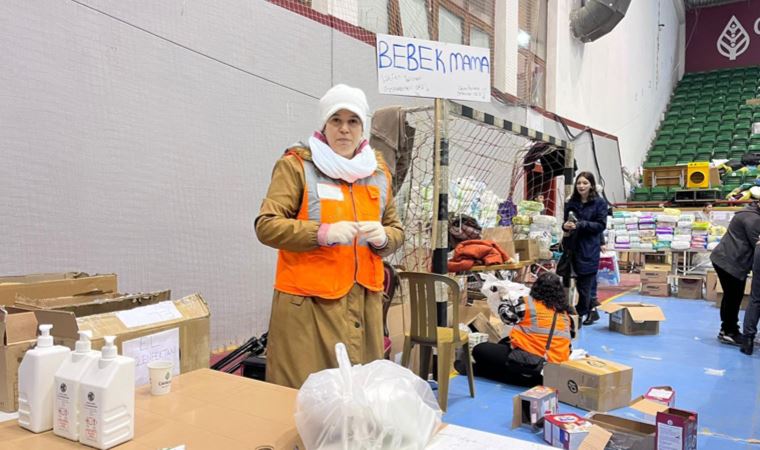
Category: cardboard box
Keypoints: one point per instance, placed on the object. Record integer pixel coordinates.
(745, 300)
(591, 383)
(50, 285)
(480, 324)
(87, 305)
(655, 290)
(190, 315)
(530, 407)
(690, 287)
(626, 433)
(654, 273)
(18, 331)
(566, 431)
(503, 237)
(657, 399)
(19, 326)
(468, 311)
(676, 430)
(634, 318)
(527, 249)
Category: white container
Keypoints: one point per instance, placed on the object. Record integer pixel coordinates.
(67, 379)
(107, 400)
(36, 375)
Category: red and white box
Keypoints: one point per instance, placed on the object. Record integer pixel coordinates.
(664, 395)
(565, 431)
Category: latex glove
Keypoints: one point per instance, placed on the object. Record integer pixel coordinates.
(374, 232)
(342, 232)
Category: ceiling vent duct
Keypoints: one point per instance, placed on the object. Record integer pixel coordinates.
(596, 18)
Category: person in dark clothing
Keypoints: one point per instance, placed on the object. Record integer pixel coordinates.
(752, 316)
(530, 318)
(732, 260)
(585, 221)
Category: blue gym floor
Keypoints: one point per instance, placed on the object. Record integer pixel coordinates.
(728, 405)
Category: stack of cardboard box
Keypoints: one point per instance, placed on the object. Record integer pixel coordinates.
(147, 326)
(654, 280)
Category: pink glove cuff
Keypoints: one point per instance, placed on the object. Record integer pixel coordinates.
(322, 235)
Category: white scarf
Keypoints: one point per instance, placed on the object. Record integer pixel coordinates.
(362, 165)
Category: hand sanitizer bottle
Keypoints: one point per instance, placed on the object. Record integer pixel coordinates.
(67, 379)
(35, 382)
(107, 400)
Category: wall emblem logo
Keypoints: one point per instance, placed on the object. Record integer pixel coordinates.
(734, 40)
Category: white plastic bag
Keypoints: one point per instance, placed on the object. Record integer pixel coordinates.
(380, 405)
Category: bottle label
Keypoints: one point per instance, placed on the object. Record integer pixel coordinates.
(90, 417)
(63, 413)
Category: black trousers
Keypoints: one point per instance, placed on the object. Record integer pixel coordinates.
(584, 285)
(752, 315)
(491, 363)
(733, 292)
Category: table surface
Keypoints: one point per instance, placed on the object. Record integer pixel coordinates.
(207, 409)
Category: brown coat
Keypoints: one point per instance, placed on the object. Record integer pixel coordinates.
(303, 330)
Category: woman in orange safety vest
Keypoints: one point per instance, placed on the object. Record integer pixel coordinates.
(531, 319)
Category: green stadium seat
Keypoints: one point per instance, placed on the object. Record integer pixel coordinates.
(641, 194)
(703, 156)
(743, 116)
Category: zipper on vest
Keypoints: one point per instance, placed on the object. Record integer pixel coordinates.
(356, 238)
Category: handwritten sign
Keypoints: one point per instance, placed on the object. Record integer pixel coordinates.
(162, 346)
(419, 68)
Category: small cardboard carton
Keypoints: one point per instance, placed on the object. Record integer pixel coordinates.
(527, 249)
(676, 430)
(50, 285)
(501, 236)
(468, 311)
(626, 433)
(690, 287)
(657, 399)
(189, 316)
(530, 407)
(565, 431)
(480, 324)
(591, 383)
(654, 274)
(19, 326)
(655, 290)
(634, 318)
(18, 333)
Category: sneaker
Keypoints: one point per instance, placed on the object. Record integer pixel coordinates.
(730, 338)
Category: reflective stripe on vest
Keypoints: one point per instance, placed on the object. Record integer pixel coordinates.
(534, 326)
(330, 271)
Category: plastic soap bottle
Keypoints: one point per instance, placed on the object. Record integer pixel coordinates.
(36, 376)
(67, 379)
(107, 399)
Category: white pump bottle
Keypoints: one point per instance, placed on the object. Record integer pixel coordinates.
(35, 382)
(67, 379)
(107, 400)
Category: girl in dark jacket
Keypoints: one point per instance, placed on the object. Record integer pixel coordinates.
(585, 221)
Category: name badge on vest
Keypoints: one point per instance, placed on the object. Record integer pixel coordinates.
(329, 192)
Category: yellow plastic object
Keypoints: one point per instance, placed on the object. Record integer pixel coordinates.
(698, 175)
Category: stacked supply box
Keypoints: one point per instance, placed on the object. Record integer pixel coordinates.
(654, 280)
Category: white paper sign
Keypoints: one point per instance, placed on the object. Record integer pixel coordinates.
(420, 68)
(147, 315)
(163, 346)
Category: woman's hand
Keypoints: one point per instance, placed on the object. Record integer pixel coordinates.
(568, 226)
